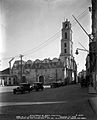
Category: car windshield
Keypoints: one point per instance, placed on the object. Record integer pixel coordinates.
(35, 84)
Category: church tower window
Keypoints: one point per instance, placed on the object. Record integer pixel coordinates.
(65, 35)
(65, 51)
(66, 26)
(65, 45)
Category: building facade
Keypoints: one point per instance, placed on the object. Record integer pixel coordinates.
(92, 63)
(63, 68)
(7, 79)
(45, 71)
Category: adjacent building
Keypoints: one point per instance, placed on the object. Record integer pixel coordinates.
(7, 79)
(91, 61)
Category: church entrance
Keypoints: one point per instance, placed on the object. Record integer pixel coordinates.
(41, 78)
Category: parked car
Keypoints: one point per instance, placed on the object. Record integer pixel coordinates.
(84, 83)
(59, 83)
(54, 85)
(24, 87)
(37, 86)
(63, 83)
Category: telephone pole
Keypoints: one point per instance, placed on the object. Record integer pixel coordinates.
(56, 74)
(21, 56)
(10, 64)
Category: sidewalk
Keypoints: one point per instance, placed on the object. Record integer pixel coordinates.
(7, 88)
(10, 88)
(93, 100)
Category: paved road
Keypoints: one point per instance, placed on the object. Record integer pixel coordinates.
(57, 103)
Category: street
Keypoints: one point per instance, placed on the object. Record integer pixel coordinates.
(52, 103)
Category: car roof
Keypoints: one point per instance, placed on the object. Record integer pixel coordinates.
(37, 82)
(24, 84)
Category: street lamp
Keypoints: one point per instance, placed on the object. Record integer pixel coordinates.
(81, 50)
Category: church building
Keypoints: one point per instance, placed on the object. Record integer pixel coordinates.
(47, 71)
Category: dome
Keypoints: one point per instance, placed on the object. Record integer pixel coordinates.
(55, 60)
(29, 62)
(37, 61)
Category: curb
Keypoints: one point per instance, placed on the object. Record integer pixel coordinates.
(93, 103)
(91, 90)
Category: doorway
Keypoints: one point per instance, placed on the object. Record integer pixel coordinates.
(41, 78)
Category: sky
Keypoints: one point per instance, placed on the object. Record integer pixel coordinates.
(33, 28)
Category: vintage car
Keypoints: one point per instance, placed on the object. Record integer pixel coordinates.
(83, 82)
(37, 86)
(24, 87)
(63, 83)
(57, 84)
(54, 85)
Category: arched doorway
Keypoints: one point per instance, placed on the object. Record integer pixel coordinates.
(41, 78)
(23, 79)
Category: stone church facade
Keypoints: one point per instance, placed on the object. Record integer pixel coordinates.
(47, 70)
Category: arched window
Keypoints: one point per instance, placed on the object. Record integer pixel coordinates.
(65, 51)
(65, 35)
(65, 44)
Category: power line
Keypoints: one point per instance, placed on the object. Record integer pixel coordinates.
(83, 14)
(36, 48)
(10, 57)
(58, 32)
(42, 46)
(80, 16)
(43, 43)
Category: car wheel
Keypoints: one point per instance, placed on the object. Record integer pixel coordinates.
(22, 92)
(42, 88)
(36, 89)
(14, 92)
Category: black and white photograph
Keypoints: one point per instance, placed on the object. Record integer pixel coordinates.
(48, 59)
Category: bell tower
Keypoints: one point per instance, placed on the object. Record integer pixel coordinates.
(66, 42)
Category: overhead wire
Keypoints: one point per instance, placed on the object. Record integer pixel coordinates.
(10, 57)
(80, 16)
(83, 13)
(43, 43)
(42, 46)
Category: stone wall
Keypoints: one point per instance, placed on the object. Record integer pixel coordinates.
(49, 75)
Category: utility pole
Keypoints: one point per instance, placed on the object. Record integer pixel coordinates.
(94, 33)
(21, 66)
(10, 64)
(56, 74)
